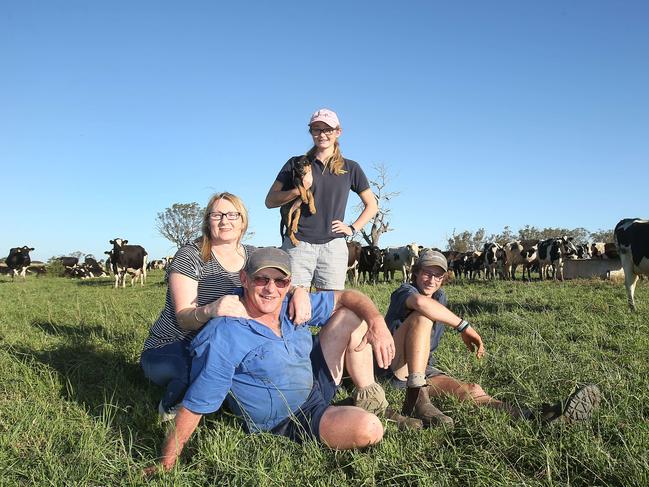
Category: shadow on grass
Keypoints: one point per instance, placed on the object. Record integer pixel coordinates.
(96, 379)
(82, 331)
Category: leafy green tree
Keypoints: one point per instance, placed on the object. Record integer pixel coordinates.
(466, 241)
(602, 235)
(181, 223)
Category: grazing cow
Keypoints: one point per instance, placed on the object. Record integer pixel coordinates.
(131, 259)
(552, 253)
(520, 252)
(399, 259)
(353, 254)
(370, 263)
(632, 240)
(18, 260)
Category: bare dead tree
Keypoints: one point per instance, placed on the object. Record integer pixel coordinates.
(380, 224)
(181, 223)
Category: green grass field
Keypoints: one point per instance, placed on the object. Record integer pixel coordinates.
(75, 408)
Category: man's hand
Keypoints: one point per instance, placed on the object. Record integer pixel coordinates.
(299, 307)
(382, 343)
(473, 341)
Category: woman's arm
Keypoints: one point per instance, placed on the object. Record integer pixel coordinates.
(276, 197)
(190, 316)
(371, 208)
(299, 307)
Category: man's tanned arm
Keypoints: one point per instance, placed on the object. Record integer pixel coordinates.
(377, 334)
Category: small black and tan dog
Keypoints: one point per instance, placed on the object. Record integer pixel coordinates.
(291, 211)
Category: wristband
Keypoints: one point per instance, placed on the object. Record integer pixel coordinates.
(353, 229)
(462, 326)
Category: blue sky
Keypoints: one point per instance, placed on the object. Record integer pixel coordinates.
(486, 114)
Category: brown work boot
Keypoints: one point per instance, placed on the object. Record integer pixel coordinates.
(417, 405)
(371, 398)
(403, 422)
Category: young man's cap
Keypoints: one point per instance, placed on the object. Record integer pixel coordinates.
(268, 257)
(327, 116)
(430, 258)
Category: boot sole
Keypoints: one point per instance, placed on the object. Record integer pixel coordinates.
(582, 403)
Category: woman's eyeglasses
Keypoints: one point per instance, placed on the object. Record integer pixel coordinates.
(263, 281)
(230, 215)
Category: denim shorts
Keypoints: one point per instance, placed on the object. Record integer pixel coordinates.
(323, 265)
(304, 423)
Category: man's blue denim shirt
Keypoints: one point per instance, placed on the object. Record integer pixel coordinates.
(268, 377)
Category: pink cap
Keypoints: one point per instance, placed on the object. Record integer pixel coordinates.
(327, 116)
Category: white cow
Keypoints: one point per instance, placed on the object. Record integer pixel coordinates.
(399, 259)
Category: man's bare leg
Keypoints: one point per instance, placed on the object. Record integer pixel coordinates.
(343, 333)
(444, 385)
(346, 427)
(412, 347)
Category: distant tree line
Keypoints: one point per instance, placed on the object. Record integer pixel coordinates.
(467, 240)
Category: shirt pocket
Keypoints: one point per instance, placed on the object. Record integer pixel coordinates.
(259, 364)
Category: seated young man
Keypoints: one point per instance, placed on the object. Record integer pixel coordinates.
(416, 317)
(276, 376)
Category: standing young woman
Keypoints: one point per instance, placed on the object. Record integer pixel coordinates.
(202, 277)
(320, 259)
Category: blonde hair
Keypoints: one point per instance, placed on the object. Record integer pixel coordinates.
(335, 163)
(205, 240)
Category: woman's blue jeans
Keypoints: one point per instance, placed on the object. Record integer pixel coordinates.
(168, 367)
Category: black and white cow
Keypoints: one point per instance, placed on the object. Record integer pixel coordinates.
(459, 264)
(370, 262)
(129, 259)
(552, 253)
(68, 262)
(93, 268)
(494, 257)
(18, 260)
(632, 240)
(399, 259)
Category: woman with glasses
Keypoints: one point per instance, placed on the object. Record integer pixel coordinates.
(202, 277)
(320, 258)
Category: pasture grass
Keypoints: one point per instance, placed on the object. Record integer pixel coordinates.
(75, 408)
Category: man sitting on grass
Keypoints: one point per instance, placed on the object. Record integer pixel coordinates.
(279, 377)
(416, 317)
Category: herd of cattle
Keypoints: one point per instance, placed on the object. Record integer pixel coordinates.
(365, 263)
(121, 260)
(546, 257)
(494, 260)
